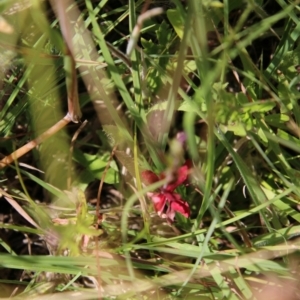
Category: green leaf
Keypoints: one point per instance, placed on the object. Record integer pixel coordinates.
(175, 19)
(94, 166)
(164, 34)
(258, 106)
(277, 120)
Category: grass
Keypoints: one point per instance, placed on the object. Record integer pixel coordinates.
(98, 208)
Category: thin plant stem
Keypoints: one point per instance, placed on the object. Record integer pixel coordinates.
(32, 144)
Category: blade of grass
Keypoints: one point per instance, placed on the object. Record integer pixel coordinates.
(113, 70)
(253, 187)
(135, 59)
(170, 109)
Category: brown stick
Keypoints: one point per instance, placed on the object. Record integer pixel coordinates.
(32, 144)
(61, 8)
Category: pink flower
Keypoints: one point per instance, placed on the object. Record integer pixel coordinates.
(166, 201)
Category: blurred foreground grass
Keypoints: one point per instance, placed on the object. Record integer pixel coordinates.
(223, 74)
